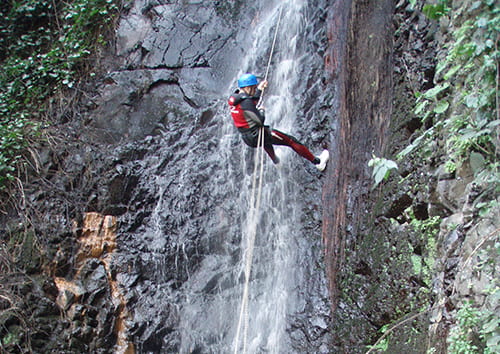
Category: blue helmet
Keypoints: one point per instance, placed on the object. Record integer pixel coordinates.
(247, 80)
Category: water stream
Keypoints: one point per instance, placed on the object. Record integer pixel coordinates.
(209, 303)
(274, 263)
(273, 281)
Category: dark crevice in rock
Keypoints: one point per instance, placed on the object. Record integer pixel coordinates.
(399, 206)
(145, 67)
(421, 211)
(161, 82)
(189, 101)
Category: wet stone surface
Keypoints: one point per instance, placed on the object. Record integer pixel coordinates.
(170, 180)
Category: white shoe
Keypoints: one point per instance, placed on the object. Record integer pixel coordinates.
(323, 159)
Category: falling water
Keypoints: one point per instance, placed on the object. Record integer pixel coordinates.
(271, 295)
(274, 261)
(210, 306)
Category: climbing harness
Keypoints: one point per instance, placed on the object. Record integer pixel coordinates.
(255, 198)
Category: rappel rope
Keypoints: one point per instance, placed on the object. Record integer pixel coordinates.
(270, 57)
(251, 234)
(255, 198)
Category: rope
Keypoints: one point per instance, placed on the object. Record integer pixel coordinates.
(270, 55)
(251, 234)
(253, 216)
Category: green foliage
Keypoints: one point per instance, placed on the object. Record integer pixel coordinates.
(477, 327)
(45, 47)
(381, 168)
(13, 338)
(383, 344)
(428, 228)
(435, 11)
(477, 331)
(475, 51)
(460, 340)
(461, 114)
(427, 231)
(490, 321)
(413, 3)
(463, 105)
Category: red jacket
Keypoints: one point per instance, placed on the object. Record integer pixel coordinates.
(244, 111)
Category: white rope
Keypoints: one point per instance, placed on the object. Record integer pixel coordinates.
(255, 198)
(251, 234)
(270, 55)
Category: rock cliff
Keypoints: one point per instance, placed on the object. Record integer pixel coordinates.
(127, 233)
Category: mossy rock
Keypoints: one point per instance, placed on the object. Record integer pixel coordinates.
(27, 253)
(13, 338)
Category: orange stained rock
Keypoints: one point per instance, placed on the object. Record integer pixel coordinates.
(97, 239)
(98, 236)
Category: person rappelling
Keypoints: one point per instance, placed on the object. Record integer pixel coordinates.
(249, 117)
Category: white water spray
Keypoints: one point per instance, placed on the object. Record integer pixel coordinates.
(263, 313)
(256, 290)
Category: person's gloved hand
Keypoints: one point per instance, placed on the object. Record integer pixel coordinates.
(262, 113)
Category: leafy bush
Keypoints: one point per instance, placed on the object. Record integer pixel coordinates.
(381, 169)
(46, 47)
(477, 331)
(463, 106)
(461, 112)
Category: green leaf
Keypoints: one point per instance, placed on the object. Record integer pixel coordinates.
(475, 5)
(416, 261)
(494, 341)
(452, 71)
(415, 143)
(433, 92)
(441, 107)
(482, 22)
(381, 168)
(433, 12)
(491, 326)
(379, 174)
(390, 165)
(470, 133)
(421, 106)
(471, 101)
(493, 124)
(477, 162)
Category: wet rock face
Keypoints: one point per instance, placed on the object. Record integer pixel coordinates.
(372, 263)
(173, 60)
(172, 181)
(161, 95)
(152, 184)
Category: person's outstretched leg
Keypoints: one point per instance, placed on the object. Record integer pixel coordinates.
(268, 145)
(280, 138)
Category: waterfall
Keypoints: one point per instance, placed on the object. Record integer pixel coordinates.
(274, 261)
(195, 259)
(273, 284)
